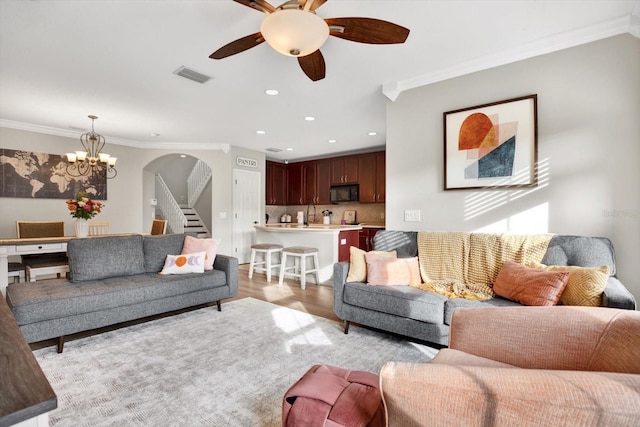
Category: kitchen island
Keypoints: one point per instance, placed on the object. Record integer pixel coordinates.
(332, 241)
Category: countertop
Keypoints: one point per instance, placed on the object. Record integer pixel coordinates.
(288, 227)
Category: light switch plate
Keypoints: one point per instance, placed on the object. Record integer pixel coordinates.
(412, 215)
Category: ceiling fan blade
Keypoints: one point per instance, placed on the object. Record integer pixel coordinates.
(259, 5)
(313, 65)
(367, 30)
(316, 3)
(238, 46)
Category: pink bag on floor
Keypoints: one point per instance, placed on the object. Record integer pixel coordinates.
(334, 397)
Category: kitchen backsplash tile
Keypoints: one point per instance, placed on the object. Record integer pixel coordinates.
(365, 212)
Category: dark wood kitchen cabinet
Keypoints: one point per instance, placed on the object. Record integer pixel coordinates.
(276, 188)
(372, 180)
(346, 239)
(315, 182)
(344, 170)
(365, 238)
(294, 184)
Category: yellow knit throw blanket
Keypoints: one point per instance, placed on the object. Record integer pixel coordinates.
(465, 265)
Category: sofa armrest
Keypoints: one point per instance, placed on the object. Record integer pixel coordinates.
(557, 337)
(229, 265)
(433, 394)
(616, 295)
(340, 272)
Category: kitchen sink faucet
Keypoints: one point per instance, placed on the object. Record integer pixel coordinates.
(314, 213)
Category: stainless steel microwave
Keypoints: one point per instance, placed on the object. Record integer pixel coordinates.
(344, 193)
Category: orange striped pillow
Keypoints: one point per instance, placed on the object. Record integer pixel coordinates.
(530, 286)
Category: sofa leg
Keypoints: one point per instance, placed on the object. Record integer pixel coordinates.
(219, 305)
(60, 343)
(346, 327)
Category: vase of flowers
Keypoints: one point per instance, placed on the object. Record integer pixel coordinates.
(82, 208)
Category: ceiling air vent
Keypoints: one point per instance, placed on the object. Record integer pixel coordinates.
(188, 73)
(274, 150)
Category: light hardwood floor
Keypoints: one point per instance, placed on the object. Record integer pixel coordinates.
(315, 299)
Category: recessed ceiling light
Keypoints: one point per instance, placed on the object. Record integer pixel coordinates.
(289, 149)
(332, 141)
(373, 133)
(183, 155)
(260, 132)
(309, 118)
(271, 92)
(155, 134)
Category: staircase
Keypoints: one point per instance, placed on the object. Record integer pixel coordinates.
(194, 223)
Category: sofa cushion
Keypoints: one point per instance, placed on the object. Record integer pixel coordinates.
(403, 301)
(530, 286)
(452, 304)
(383, 270)
(405, 243)
(581, 251)
(53, 299)
(156, 249)
(102, 257)
(585, 285)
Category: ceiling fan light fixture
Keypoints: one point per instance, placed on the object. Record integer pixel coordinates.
(294, 32)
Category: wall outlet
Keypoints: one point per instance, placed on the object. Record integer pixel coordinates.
(412, 215)
(223, 215)
(381, 215)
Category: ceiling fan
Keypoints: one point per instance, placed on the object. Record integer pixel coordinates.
(294, 29)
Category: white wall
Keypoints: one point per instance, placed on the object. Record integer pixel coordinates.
(588, 149)
(128, 195)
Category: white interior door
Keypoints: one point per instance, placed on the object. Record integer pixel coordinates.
(246, 211)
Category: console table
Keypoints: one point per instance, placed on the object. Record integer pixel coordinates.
(39, 245)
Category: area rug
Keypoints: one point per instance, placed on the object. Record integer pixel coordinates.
(205, 367)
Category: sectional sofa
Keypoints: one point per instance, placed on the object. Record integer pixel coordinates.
(115, 279)
(426, 316)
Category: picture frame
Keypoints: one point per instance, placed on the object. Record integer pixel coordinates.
(492, 146)
(349, 217)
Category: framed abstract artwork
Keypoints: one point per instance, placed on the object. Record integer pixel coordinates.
(492, 146)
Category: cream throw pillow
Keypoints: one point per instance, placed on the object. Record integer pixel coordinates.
(585, 285)
(358, 263)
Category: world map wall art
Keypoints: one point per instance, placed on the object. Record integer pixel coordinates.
(492, 145)
(26, 174)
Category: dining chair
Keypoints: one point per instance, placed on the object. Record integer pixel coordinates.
(39, 264)
(159, 226)
(99, 228)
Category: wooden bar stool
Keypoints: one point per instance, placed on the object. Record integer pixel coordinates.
(267, 250)
(300, 255)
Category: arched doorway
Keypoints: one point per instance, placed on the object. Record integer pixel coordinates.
(172, 173)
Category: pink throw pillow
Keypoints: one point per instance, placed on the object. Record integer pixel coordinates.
(210, 246)
(530, 286)
(383, 271)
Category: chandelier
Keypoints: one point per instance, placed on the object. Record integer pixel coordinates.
(92, 160)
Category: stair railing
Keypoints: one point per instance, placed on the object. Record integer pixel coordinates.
(169, 207)
(198, 179)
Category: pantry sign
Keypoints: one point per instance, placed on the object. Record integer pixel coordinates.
(246, 162)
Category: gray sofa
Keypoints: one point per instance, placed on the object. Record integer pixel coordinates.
(115, 279)
(426, 315)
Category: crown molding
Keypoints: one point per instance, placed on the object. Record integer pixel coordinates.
(614, 27)
(116, 141)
